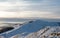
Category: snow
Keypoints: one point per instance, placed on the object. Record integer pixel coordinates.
(35, 29)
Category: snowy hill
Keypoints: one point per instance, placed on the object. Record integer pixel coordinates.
(34, 29)
(44, 33)
(34, 26)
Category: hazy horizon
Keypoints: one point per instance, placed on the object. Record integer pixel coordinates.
(26, 19)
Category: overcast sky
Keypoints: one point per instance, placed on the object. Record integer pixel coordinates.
(29, 8)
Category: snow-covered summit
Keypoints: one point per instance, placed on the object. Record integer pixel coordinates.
(35, 29)
(34, 26)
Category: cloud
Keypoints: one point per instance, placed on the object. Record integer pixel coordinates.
(27, 14)
(13, 6)
(31, 8)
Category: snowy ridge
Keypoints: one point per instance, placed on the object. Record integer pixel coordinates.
(34, 29)
(39, 35)
(37, 29)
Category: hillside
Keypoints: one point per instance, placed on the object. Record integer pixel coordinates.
(34, 26)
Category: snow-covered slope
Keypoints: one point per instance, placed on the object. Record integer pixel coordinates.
(35, 27)
(44, 33)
